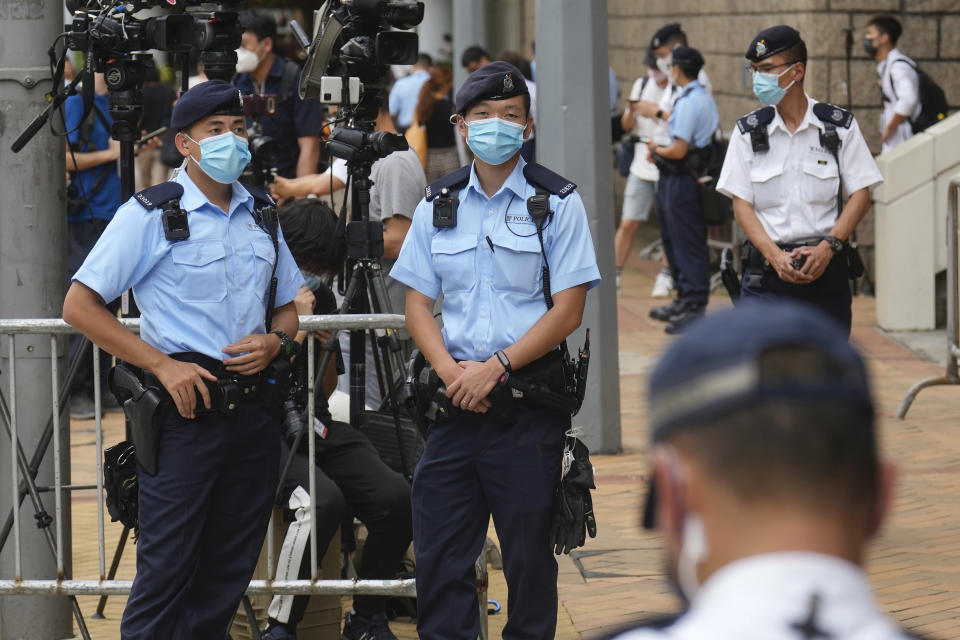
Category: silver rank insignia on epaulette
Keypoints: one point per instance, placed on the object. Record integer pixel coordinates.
(508, 83)
(752, 120)
(837, 115)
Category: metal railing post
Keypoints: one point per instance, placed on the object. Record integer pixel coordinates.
(951, 376)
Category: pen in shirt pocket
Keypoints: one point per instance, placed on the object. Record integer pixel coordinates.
(490, 242)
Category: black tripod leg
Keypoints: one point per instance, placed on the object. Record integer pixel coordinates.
(251, 618)
(114, 565)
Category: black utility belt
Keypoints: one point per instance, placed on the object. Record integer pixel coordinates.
(226, 393)
(751, 257)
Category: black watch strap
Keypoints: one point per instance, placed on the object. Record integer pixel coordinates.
(835, 243)
(504, 360)
(288, 347)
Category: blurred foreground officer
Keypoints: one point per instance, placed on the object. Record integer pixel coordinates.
(785, 169)
(203, 515)
(767, 479)
(682, 227)
(483, 237)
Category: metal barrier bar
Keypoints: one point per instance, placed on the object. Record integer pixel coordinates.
(57, 480)
(311, 457)
(952, 375)
(103, 587)
(293, 587)
(14, 469)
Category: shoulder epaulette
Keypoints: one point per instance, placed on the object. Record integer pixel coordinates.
(754, 119)
(154, 197)
(833, 114)
(453, 180)
(260, 197)
(539, 176)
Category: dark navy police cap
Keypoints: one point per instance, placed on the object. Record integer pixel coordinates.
(495, 81)
(687, 54)
(772, 41)
(664, 34)
(714, 369)
(206, 99)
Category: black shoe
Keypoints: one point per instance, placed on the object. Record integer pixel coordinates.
(667, 311)
(82, 407)
(690, 313)
(277, 631)
(356, 627)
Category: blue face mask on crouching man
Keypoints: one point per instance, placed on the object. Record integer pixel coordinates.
(494, 140)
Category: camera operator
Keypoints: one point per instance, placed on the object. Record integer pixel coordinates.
(296, 125)
(200, 265)
(483, 237)
(350, 476)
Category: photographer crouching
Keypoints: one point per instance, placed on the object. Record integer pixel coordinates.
(350, 475)
(209, 270)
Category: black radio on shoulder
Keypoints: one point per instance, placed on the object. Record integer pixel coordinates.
(445, 209)
(175, 225)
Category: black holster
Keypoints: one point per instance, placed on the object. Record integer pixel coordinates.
(144, 409)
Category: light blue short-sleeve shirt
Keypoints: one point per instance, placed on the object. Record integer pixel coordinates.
(694, 117)
(404, 95)
(199, 294)
(493, 295)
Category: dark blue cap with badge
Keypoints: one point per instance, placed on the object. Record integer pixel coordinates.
(717, 368)
(495, 81)
(208, 98)
(772, 41)
(665, 34)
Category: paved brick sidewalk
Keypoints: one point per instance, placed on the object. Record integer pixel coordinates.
(617, 578)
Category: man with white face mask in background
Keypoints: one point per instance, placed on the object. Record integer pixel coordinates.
(297, 123)
(767, 481)
(787, 168)
(485, 236)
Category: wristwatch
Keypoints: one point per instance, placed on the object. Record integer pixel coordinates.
(659, 114)
(835, 243)
(288, 347)
(504, 360)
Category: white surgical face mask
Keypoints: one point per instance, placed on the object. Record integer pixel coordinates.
(246, 60)
(693, 551)
(664, 65)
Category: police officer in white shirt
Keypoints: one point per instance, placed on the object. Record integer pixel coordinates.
(785, 168)
(767, 482)
(899, 82)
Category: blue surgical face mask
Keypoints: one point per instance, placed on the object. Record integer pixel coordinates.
(766, 86)
(494, 140)
(223, 157)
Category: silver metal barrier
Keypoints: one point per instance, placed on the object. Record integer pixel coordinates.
(63, 586)
(951, 376)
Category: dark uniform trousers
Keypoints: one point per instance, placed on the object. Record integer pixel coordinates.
(684, 235)
(475, 466)
(203, 519)
(830, 292)
(350, 472)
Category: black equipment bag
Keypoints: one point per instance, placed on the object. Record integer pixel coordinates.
(933, 101)
(380, 429)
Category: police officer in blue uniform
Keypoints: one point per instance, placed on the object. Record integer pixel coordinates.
(682, 227)
(483, 236)
(787, 168)
(200, 266)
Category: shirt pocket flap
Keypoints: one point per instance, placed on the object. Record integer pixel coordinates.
(520, 244)
(824, 170)
(198, 254)
(263, 249)
(764, 172)
(452, 243)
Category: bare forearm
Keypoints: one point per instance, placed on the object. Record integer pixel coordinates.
(626, 120)
(83, 309)
(88, 160)
(309, 155)
(285, 319)
(426, 334)
(856, 207)
(747, 219)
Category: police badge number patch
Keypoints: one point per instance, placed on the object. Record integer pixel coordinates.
(508, 83)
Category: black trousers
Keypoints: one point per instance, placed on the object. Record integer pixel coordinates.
(830, 292)
(684, 234)
(351, 475)
(475, 466)
(203, 519)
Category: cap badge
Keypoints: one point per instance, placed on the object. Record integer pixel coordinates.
(508, 83)
(837, 115)
(761, 48)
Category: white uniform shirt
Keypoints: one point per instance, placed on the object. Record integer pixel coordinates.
(900, 86)
(645, 127)
(776, 596)
(793, 186)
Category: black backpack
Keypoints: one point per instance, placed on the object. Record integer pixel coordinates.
(933, 101)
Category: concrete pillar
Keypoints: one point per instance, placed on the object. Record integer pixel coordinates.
(573, 139)
(32, 283)
(436, 30)
(469, 27)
